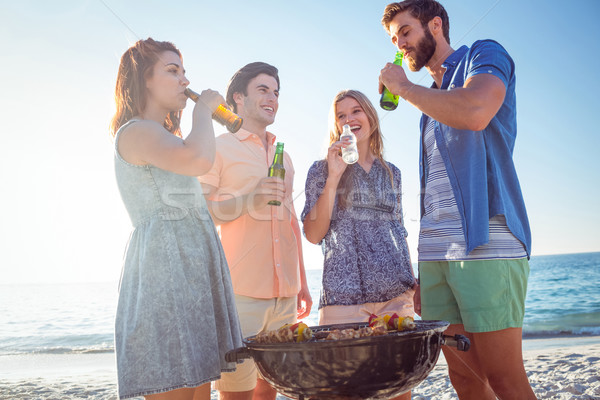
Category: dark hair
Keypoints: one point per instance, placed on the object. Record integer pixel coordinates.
(239, 81)
(130, 92)
(423, 10)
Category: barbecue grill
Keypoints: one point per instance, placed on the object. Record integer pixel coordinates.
(373, 367)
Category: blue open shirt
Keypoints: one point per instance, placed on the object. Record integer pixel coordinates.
(479, 163)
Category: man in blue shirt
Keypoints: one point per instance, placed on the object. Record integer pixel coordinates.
(474, 241)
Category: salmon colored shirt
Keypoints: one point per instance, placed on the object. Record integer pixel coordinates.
(260, 246)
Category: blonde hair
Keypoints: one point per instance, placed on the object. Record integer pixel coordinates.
(375, 138)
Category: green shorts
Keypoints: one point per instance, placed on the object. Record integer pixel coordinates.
(483, 295)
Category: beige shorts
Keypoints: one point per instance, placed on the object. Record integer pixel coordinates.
(255, 316)
(402, 305)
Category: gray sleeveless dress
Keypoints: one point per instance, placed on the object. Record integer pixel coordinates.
(176, 315)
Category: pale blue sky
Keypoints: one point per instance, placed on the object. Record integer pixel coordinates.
(63, 218)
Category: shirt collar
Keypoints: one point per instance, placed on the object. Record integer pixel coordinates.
(455, 57)
(450, 64)
(243, 134)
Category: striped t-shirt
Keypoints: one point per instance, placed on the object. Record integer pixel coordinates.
(441, 236)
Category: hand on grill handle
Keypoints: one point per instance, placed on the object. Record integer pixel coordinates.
(461, 342)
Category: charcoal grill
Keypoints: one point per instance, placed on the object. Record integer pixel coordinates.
(374, 367)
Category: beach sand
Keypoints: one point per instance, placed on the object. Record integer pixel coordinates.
(560, 369)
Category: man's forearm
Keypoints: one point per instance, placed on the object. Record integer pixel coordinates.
(471, 107)
(454, 108)
(224, 211)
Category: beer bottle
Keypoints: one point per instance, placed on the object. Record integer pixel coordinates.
(222, 115)
(389, 101)
(276, 169)
(350, 153)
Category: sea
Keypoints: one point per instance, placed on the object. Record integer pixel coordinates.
(563, 300)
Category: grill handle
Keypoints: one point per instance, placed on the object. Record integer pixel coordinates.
(461, 342)
(237, 355)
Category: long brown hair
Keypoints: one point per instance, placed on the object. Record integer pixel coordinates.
(131, 93)
(375, 139)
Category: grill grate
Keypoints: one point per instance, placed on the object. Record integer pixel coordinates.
(320, 332)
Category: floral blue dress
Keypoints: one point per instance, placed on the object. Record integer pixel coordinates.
(176, 315)
(366, 258)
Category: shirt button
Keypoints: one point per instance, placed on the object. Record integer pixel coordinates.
(278, 265)
(453, 86)
(276, 240)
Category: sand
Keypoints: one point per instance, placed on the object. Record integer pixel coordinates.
(560, 369)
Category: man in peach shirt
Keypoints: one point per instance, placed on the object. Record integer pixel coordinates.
(262, 243)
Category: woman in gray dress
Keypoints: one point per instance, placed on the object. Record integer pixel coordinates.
(176, 316)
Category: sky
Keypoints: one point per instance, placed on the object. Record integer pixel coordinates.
(63, 219)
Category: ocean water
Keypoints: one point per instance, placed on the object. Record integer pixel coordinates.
(563, 295)
(563, 299)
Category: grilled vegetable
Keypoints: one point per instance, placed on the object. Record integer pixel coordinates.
(392, 322)
(287, 333)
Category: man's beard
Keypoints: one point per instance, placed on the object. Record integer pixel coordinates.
(423, 51)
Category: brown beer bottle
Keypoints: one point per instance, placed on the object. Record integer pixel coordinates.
(277, 169)
(222, 114)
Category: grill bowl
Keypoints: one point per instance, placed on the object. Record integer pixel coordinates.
(375, 367)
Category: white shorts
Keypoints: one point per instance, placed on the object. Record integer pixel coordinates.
(402, 305)
(256, 315)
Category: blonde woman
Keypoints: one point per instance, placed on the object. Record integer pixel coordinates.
(355, 213)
